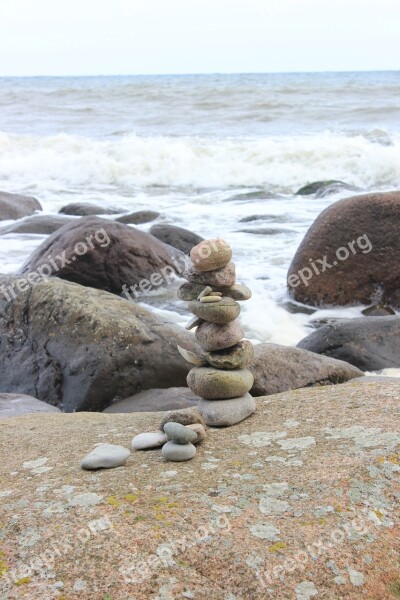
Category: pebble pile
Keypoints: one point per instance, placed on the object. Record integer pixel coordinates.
(219, 375)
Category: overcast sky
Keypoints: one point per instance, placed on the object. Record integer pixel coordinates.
(84, 37)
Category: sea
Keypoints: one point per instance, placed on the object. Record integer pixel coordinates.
(220, 155)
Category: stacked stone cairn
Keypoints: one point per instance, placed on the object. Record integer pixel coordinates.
(219, 375)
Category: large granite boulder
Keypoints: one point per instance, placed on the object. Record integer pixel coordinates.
(40, 224)
(350, 254)
(178, 237)
(16, 206)
(370, 344)
(78, 348)
(279, 368)
(298, 502)
(14, 405)
(106, 255)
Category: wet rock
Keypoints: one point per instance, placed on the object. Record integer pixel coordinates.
(222, 312)
(354, 245)
(317, 186)
(378, 310)
(210, 383)
(235, 357)
(16, 206)
(106, 255)
(84, 209)
(105, 456)
(82, 347)
(370, 344)
(212, 337)
(190, 291)
(40, 224)
(225, 413)
(138, 217)
(177, 237)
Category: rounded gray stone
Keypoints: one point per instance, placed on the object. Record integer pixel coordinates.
(150, 439)
(178, 452)
(105, 456)
(224, 413)
(179, 433)
(212, 337)
(211, 383)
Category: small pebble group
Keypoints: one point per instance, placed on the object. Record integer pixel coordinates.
(178, 436)
(219, 376)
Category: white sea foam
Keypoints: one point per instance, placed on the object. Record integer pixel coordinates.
(282, 163)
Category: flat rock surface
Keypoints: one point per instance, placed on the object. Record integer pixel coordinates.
(14, 405)
(301, 500)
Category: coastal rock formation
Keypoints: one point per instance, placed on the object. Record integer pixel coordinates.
(309, 484)
(78, 348)
(370, 344)
(350, 254)
(16, 206)
(106, 255)
(173, 398)
(279, 368)
(84, 209)
(178, 237)
(219, 377)
(39, 224)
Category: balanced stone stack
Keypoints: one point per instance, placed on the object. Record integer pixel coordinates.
(219, 376)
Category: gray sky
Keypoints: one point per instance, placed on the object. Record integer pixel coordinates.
(82, 37)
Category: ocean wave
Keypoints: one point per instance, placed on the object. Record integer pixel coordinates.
(281, 163)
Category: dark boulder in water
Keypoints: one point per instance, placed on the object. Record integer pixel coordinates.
(178, 237)
(321, 187)
(84, 209)
(79, 348)
(138, 217)
(370, 343)
(280, 368)
(16, 206)
(350, 254)
(106, 255)
(38, 224)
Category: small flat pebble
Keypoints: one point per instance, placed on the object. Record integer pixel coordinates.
(151, 439)
(200, 431)
(208, 299)
(105, 456)
(179, 433)
(178, 452)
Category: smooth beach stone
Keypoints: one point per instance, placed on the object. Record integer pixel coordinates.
(191, 357)
(221, 312)
(205, 292)
(192, 291)
(224, 413)
(194, 322)
(209, 255)
(151, 439)
(178, 452)
(210, 299)
(214, 384)
(200, 432)
(236, 357)
(179, 433)
(184, 418)
(237, 292)
(105, 456)
(225, 277)
(212, 336)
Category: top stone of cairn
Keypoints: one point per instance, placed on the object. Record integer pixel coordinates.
(210, 255)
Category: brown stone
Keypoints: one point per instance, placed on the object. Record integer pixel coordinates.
(212, 337)
(224, 277)
(367, 223)
(236, 357)
(215, 384)
(210, 255)
(221, 311)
